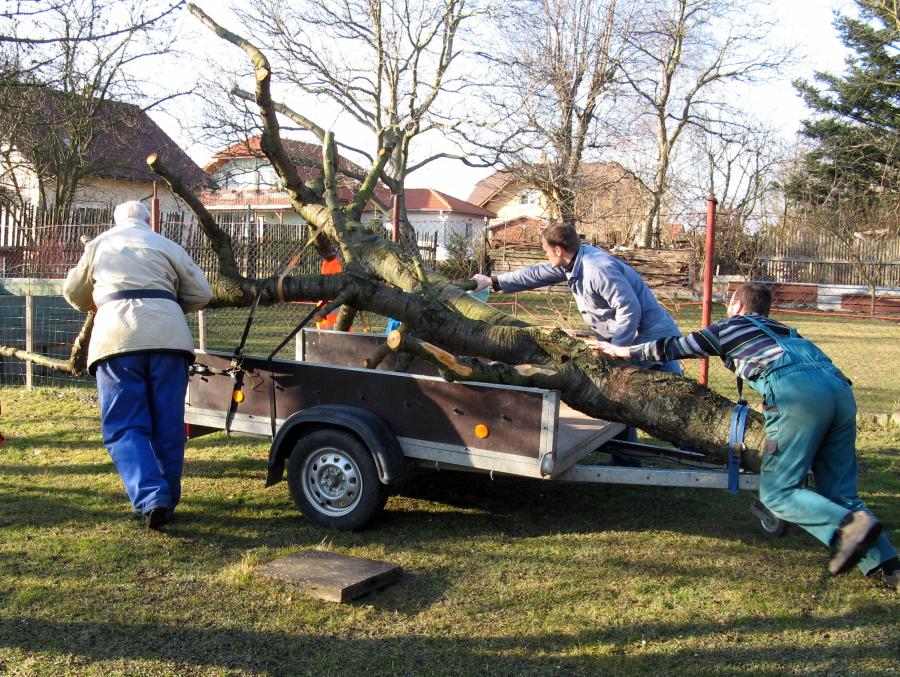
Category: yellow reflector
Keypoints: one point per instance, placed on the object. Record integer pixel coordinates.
(237, 396)
(481, 431)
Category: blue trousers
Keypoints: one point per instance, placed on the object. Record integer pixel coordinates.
(142, 419)
(810, 417)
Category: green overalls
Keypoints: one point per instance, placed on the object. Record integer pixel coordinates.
(810, 415)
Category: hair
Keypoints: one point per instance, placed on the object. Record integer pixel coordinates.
(131, 211)
(562, 235)
(755, 297)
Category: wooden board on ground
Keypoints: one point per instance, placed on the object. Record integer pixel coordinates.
(332, 576)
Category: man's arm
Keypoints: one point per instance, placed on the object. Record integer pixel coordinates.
(193, 289)
(700, 343)
(531, 277)
(78, 288)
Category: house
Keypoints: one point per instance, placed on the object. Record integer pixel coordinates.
(610, 203)
(250, 193)
(62, 172)
(112, 166)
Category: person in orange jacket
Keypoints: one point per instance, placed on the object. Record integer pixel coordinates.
(331, 265)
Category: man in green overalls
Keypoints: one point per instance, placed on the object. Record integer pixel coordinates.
(810, 424)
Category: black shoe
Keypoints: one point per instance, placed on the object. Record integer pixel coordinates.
(854, 536)
(156, 518)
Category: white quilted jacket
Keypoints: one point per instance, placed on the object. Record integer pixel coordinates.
(132, 257)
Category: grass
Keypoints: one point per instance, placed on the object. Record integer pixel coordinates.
(509, 577)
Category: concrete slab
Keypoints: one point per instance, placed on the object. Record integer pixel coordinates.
(332, 576)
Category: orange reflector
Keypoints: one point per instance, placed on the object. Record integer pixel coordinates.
(481, 431)
(237, 396)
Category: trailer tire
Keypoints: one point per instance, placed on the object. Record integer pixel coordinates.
(334, 481)
(769, 524)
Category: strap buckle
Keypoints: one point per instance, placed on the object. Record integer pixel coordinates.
(736, 444)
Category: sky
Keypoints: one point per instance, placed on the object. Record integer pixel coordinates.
(804, 24)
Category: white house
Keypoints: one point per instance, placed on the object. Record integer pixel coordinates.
(249, 192)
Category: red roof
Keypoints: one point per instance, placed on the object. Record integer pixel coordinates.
(417, 200)
(488, 187)
(431, 200)
(299, 151)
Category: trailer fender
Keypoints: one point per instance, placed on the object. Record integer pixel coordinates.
(368, 426)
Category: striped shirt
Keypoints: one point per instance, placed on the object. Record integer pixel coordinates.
(744, 348)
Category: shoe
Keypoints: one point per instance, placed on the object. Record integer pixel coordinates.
(854, 536)
(156, 518)
(891, 580)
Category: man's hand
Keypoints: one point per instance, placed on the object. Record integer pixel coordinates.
(607, 348)
(483, 281)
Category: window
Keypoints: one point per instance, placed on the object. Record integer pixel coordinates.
(529, 197)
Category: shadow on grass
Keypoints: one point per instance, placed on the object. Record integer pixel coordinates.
(430, 507)
(278, 652)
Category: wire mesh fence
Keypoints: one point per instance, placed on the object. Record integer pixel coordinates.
(865, 347)
(854, 317)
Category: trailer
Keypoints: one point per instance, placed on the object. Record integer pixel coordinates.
(347, 434)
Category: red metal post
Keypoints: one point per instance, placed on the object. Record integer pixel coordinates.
(395, 220)
(154, 209)
(708, 273)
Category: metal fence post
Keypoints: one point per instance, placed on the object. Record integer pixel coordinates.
(29, 339)
(201, 329)
(708, 278)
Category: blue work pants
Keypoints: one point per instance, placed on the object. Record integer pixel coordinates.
(810, 415)
(142, 416)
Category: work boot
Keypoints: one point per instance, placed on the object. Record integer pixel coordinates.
(855, 534)
(156, 518)
(887, 574)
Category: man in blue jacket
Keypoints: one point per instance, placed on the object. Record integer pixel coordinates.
(612, 297)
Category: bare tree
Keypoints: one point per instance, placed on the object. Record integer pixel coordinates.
(554, 69)
(386, 63)
(440, 322)
(68, 64)
(683, 52)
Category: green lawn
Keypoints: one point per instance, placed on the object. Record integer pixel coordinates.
(505, 576)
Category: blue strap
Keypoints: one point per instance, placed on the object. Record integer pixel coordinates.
(137, 294)
(736, 444)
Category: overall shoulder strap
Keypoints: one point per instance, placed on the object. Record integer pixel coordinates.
(766, 330)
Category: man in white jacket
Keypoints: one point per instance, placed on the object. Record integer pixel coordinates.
(140, 284)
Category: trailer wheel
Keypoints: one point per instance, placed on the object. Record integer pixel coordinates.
(334, 481)
(769, 524)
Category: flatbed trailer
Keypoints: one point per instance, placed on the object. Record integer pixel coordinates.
(347, 433)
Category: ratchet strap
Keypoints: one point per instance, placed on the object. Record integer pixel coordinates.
(237, 374)
(270, 368)
(736, 444)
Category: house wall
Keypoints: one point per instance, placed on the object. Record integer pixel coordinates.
(609, 211)
(102, 192)
(92, 192)
(508, 204)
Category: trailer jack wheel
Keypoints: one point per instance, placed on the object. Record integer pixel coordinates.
(769, 524)
(334, 481)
